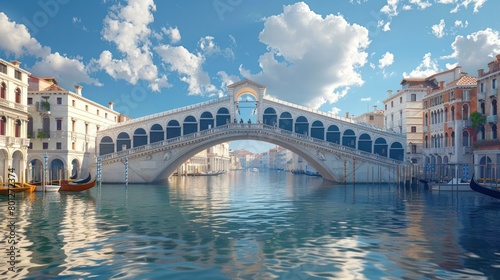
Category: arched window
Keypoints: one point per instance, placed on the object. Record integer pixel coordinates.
(173, 129)
(223, 117)
(17, 129)
(206, 121)
(317, 130)
(140, 137)
(494, 132)
(106, 146)
(465, 138)
(494, 110)
(122, 141)
(349, 138)
(3, 121)
(302, 125)
(452, 139)
(483, 108)
(18, 96)
(156, 133)
(426, 142)
(333, 134)
(397, 151)
(452, 113)
(270, 117)
(286, 121)
(380, 147)
(465, 112)
(3, 91)
(190, 125)
(446, 140)
(365, 143)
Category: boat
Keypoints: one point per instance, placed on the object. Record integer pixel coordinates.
(484, 190)
(455, 184)
(255, 169)
(310, 173)
(17, 188)
(47, 188)
(68, 186)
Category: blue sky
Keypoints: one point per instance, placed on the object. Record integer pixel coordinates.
(336, 56)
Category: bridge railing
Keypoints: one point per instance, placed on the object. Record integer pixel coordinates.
(172, 111)
(236, 128)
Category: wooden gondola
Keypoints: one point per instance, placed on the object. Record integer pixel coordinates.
(78, 185)
(18, 187)
(484, 190)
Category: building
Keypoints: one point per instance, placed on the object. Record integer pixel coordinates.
(213, 159)
(375, 117)
(448, 133)
(63, 127)
(403, 111)
(14, 114)
(487, 148)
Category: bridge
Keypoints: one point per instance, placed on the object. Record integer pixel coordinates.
(340, 149)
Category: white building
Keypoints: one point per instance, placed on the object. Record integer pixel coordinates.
(63, 127)
(213, 159)
(14, 141)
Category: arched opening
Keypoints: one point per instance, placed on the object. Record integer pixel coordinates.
(396, 151)
(465, 112)
(349, 138)
(206, 121)
(270, 117)
(302, 125)
(465, 138)
(333, 134)
(3, 91)
(156, 133)
(107, 146)
(286, 121)
(3, 122)
(75, 168)
(223, 117)
(365, 143)
(485, 167)
(380, 147)
(190, 125)
(318, 130)
(36, 170)
(57, 170)
(173, 129)
(122, 142)
(140, 137)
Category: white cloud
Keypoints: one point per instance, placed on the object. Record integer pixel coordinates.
(366, 99)
(407, 8)
(209, 47)
(17, 40)
(438, 29)
(335, 111)
(476, 50)
(173, 33)
(427, 67)
(305, 61)
(386, 60)
(391, 9)
(459, 23)
(463, 3)
(68, 71)
(421, 4)
(387, 27)
(189, 66)
(127, 27)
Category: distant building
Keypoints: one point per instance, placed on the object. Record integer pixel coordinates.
(63, 127)
(447, 126)
(213, 159)
(487, 147)
(14, 114)
(375, 117)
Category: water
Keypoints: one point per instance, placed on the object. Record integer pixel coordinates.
(246, 225)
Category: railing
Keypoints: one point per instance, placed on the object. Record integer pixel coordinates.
(259, 129)
(492, 119)
(481, 95)
(493, 92)
(17, 141)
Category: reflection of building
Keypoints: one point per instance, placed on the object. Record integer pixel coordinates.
(63, 125)
(13, 119)
(447, 127)
(487, 149)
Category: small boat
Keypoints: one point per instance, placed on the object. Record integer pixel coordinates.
(47, 188)
(68, 186)
(255, 169)
(17, 188)
(484, 190)
(454, 184)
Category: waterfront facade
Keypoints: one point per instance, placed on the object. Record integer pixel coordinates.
(487, 147)
(63, 127)
(14, 114)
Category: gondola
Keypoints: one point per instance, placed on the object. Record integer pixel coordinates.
(484, 190)
(78, 185)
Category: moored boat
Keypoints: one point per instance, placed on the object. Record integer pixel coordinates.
(17, 188)
(47, 188)
(454, 184)
(68, 186)
(484, 190)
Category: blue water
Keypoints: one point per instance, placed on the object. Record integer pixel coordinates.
(246, 225)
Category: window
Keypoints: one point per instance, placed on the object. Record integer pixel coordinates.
(17, 74)
(87, 108)
(86, 128)
(58, 124)
(3, 90)
(494, 84)
(98, 112)
(73, 125)
(466, 95)
(73, 102)
(386, 106)
(18, 96)
(30, 100)
(72, 145)
(413, 129)
(3, 68)
(105, 115)
(45, 145)
(58, 145)
(372, 117)
(481, 86)
(392, 104)
(59, 101)
(452, 95)
(400, 99)
(413, 97)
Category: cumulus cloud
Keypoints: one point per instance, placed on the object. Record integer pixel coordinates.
(173, 33)
(475, 50)
(438, 29)
(17, 40)
(391, 9)
(127, 27)
(209, 47)
(462, 24)
(463, 3)
(386, 60)
(426, 68)
(421, 4)
(311, 60)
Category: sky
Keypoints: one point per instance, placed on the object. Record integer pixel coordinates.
(338, 56)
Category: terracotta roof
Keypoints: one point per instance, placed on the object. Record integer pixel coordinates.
(463, 81)
(54, 87)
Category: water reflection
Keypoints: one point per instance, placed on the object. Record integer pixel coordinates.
(248, 226)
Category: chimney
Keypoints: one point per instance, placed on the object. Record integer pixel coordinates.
(15, 63)
(111, 105)
(480, 72)
(346, 115)
(389, 92)
(441, 84)
(78, 89)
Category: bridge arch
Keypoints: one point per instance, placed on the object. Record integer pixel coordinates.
(286, 121)
(223, 116)
(349, 138)
(140, 137)
(173, 129)
(270, 116)
(123, 141)
(189, 125)
(156, 133)
(206, 121)
(302, 125)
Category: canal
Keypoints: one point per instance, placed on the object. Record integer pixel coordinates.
(248, 225)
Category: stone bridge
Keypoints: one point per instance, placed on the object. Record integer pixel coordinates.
(340, 149)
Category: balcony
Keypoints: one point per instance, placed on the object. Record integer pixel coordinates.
(492, 119)
(451, 124)
(18, 142)
(42, 134)
(481, 95)
(449, 150)
(467, 150)
(43, 106)
(488, 143)
(493, 93)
